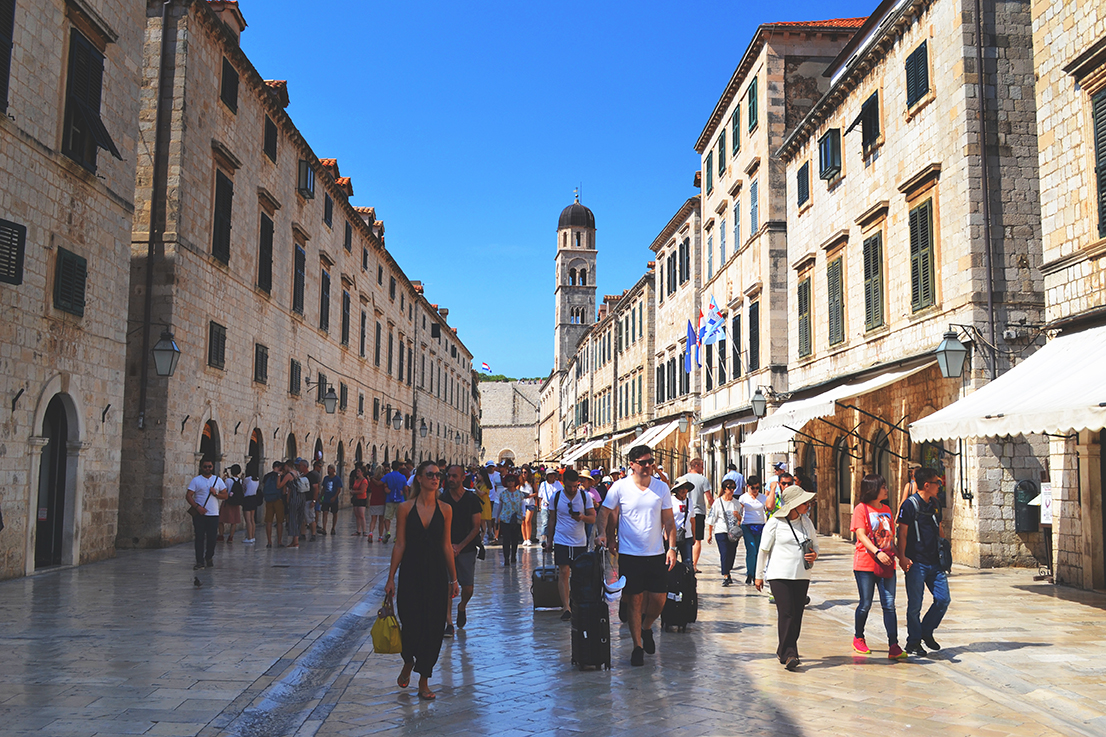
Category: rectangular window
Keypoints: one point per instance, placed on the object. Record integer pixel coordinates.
(299, 278)
(709, 364)
(754, 336)
(921, 256)
(270, 139)
(873, 282)
(736, 225)
(349, 238)
(672, 385)
(364, 332)
(376, 345)
(320, 388)
(324, 302)
(376, 409)
(13, 244)
(835, 308)
(754, 208)
(294, 378)
(265, 255)
(392, 288)
(305, 182)
(1099, 115)
(83, 129)
(399, 367)
(660, 384)
(360, 404)
(710, 172)
(380, 275)
(343, 396)
(672, 273)
(410, 366)
(735, 128)
(640, 394)
(722, 362)
(722, 243)
(735, 342)
(752, 103)
(224, 198)
(70, 279)
(710, 256)
(868, 120)
(804, 318)
(829, 154)
(802, 184)
(917, 75)
(260, 364)
(345, 317)
(228, 91)
(7, 30)
(328, 210)
(721, 153)
(391, 350)
(216, 345)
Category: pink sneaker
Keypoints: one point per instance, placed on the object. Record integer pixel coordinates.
(860, 646)
(895, 653)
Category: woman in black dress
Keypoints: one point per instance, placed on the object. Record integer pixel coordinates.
(423, 553)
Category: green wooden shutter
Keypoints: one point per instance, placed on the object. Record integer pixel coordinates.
(1100, 158)
(754, 336)
(7, 31)
(224, 197)
(722, 152)
(917, 75)
(873, 282)
(299, 278)
(324, 303)
(753, 104)
(229, 92)
(804, 318)
(70, 278)
(710, 172)
(836, 302)
(802, 183)
(735, 128)
(735, 342)
(265, 255)
(921, 256)
(13, 242)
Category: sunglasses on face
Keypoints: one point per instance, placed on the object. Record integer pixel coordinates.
(645, 461)
(434, 474)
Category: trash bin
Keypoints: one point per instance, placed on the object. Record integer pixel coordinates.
(1026, 517)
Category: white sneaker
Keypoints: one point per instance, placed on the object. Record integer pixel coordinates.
(250, 541)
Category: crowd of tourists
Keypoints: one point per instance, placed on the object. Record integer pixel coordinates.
(445, 516)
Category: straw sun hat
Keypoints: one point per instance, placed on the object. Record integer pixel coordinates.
(792, 497)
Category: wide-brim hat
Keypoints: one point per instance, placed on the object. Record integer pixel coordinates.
(792, 497)
(683, 481)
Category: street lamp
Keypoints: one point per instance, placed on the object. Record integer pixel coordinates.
(951, 355)
(683, 424)
(397, 420)
(423, 429)
(638, 431)
(166, 354)
(330, 401)
(760, 403)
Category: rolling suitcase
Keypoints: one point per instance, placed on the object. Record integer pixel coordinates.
(591, 623)
(544, 588)
(682, 605)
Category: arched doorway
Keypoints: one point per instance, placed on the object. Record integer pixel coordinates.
(385, 455)
(808, 458)
(318, 450)
(340, 460)
(841, 459)
(290, 447)
(209, 444)
(358, 454)
(881, 464)
(256, 453)
(374, 458)
(55, 486)
(507, 455)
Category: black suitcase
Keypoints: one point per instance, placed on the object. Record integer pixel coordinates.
(543, 586)
(682, 605)
(591, 618)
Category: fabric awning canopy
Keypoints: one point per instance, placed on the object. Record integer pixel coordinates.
(657, 433)
(582, 450)
(740, 422)
(711, 430)
(1059, 389)
(775, 432)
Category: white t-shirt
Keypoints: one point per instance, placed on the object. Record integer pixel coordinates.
(685, 520)
(752, 510)
(640, 531)
(570, 531)
(547, 491)
(698, 493)
(723, 514)
(497, 486)
(199, 486)
(250, 484)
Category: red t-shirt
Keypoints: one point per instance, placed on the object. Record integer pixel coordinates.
(880, 526)
(377, 493)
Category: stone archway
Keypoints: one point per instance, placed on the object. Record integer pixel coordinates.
(55, 506)
(211, 444)
(256, 454)
(290, 447)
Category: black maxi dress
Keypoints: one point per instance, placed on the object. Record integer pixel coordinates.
(423, 591)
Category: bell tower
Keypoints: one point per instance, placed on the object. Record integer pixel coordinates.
(575, 280)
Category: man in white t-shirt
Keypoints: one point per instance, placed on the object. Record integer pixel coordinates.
(642, 507)
(546, 492)
(569, 512)
(702, 499)
(203, 494)
(493, 496)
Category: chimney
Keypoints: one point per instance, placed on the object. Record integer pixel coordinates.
(228, 12)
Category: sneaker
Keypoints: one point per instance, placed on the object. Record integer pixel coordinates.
(566, 616)
(248, 541)
(792, 664)
(209, 563)
(322, 532)
(895, 652)
(931, 643)
(449, 630)
(387, 537)
(860, 646)
(198, 567)
(370, 537)
(462, 619)
(637, 657)
(647, 642)
(916, 650)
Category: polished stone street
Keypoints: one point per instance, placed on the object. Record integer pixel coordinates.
(275, 642)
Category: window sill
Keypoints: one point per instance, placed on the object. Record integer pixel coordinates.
(921, 104)
(806, 206)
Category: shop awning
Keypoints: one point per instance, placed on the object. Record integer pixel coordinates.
(711, 429)
(740, 422)
(775, 432)
(657, 433)
(1060, 389)
(583, 450)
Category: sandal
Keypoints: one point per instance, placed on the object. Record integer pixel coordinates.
(427, 696)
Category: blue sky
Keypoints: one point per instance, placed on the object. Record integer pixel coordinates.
(467, 126)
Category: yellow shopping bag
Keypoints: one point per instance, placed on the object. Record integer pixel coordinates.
(385, 631)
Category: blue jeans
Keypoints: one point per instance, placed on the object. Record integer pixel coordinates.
(866, 584)
(685, 548)
(727, 551)
(918, 578)
(752, 545)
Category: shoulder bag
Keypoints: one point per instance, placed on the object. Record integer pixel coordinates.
(192, 510)
(944, 545)
(805, 545)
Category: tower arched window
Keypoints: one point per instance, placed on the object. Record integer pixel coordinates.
(583, 277)
(577, 240)
(572, 277)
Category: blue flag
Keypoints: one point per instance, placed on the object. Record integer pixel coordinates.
(691, 340)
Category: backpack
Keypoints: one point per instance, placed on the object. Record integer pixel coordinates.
(270, 491)
(303, 486)
(237, 494)
(944, 545)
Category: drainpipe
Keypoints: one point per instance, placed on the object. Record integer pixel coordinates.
(986, 184)
(157, 214)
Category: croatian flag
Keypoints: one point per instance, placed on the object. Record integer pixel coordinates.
(715, 329)
(485, 368)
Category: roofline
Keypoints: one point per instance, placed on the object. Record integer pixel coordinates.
(682, 214)
(747, 60)
(850, 68)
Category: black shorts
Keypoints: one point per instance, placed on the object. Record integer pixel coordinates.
(644, 573)
(329, 506)
(563, 555)
(359, 502)
(251, 503)
(700, 526)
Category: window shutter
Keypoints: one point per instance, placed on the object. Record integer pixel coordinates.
(270, 139)
(921, 256)
(70, 279)
(836, 316)
(328, 210)
(722, 361)
(802, 183)
(349, 238)
(13, 243)
(1099, 104)
(260, 363)
(224, 196)
(753, 104)
(735, 127)
(7, 30)
(735, 341)
(345, 317)
(324, 303)
(216, 345)
(708, 364)
(754, 336)
(754, 208)
(917, 75)
(710, 172)
(230, 86)
(294, 377)
(83, 129)
(721, 152)
(265, 255)
(804, 318)
(299, 278)
(873, 282)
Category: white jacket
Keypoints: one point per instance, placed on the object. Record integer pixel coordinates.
(780, 555)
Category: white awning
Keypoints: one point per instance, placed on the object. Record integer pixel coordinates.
(1060, 389)
(657, 433)
(711, 430)
(775, 432)
(583, 450)
(740, 422)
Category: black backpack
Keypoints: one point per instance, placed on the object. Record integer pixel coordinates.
(237, 494)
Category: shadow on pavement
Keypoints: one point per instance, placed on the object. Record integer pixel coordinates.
(1064, 593)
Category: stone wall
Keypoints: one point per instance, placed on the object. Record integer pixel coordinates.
(509, 420)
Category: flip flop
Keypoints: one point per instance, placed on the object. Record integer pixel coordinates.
(403, 683)
(429, 696)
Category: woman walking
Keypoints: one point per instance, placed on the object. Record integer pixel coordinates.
(230, 513)
(725, 514)
(483, 487)
(752, 524)
(511, 508)
(788, 549)
(359, 499)
(874, 562)
(251, 500)
(378, 494)
(423, 554)
(530, 501)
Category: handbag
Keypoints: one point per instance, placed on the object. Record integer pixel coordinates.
(192, 510)
(733, 525)
(387, 638)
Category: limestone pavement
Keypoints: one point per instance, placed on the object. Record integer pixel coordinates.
(275, 641)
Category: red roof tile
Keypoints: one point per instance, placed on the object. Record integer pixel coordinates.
(833, 23)
(280, 89)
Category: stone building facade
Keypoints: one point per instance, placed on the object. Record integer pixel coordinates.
(897, 234)
(278, 291)
(509, 420)
(68, 127)
(744, 220)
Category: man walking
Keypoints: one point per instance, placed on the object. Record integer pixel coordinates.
(641, 506)
(733, 474)
(330, 488)
(203, 494)
(569, 512)
(311, 507)
(919, 531)
(396, 482)
(463, 532)
(702, 499)
(546, 492)
(274, 505)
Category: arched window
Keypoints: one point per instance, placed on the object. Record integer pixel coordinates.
(577, 240)
(572, 277)
(583, 277)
